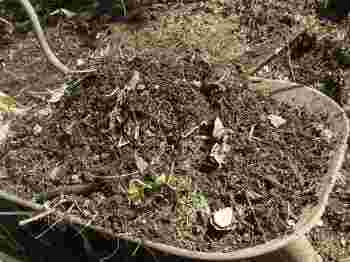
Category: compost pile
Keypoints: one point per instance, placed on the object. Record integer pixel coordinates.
(170, 140)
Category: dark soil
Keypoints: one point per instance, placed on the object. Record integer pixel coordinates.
(267, 177)
(88, 155)
(313, 59)
(319, 67)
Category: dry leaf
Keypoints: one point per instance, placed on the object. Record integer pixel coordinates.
(219, 152)
(4, 131)
(276, 121)
(307, 214)
(325, 133)
(56, 94)
(122, 141)
(141, 164)
(135, 79)
(219, 130)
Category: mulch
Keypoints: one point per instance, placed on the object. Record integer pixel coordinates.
(99, 133)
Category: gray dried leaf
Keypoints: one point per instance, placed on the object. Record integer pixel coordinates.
(141, 164)
(219, 130)
(135, 79)
(276, 121)
(56, 94)
(219, 152)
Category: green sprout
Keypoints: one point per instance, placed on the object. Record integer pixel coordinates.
(136, 193)
(138, 188)
(343, 56)
(7, 103)
(329, 87)
(199, 201)
(72, 88)
(163, 179)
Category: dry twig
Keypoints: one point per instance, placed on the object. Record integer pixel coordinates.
(36, 218)
(72, 189)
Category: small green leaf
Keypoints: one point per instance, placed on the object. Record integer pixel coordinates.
(141, 164)
(199, 200)
(7, 104)
(72, 88)
(151, 185)
(160, 179)
(164, 179)
(136, 192)
(343, 56)
(329, 87)
(171, 180)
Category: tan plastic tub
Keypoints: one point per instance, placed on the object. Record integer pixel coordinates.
(294, 247)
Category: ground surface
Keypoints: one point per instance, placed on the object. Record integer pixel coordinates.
(310, 60)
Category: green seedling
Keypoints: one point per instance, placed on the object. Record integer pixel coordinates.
(72, 88)
(136, 192)
(7, 104)
(163, 179)
(138, 188)
(329, 87)
(154, 183)
(199, 201)
(343, 56)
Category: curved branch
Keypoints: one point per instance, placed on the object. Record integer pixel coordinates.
(43, 42)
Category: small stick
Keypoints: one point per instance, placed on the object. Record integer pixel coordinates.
(55, 223)
(16, 213)
(37, 217)
(114, 176)
(296, 172)
(290, 64)
(112, 254)
(72, 189)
